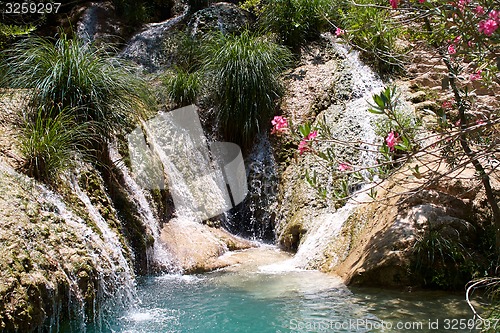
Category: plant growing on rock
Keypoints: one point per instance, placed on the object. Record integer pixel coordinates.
(49, 144)
(370, 28)
(243, 79)
(81, 79)
(183, 87)
(464, 136)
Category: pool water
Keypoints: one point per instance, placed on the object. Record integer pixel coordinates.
(264, 294)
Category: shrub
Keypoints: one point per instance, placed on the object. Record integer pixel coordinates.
(49, 144)
(183, 87)
(296, 21)
(373, 32)
(76, 77)
(186, 51)
(243, 76)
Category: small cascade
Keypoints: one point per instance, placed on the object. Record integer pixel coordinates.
(87, 26)
(158, 256)
(322, 231)
(120, 282)
(146, 47)
(113, 284)
(255, 216)
(355, 124)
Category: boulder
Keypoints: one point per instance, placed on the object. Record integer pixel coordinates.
(196, 248)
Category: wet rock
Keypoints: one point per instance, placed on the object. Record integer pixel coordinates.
(225, 17)
(146, 48)
(399, 234)
(98, 23)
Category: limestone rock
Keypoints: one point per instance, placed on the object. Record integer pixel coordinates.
(196, 248)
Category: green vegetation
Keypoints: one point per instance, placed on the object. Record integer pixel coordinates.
(137, 12)
(442, 262)
(9, 32)
(185, 50)
(79, 78)
(296, 21)
(183, 87)
(48, 144)
(243, 74)
(371, 29)
(78, 97)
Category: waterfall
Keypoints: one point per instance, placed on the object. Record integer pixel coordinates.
(158, 256)
(255, 217)
(146, 47)
(354, 123)
(115, 283)
(119, 282)
(87, 26)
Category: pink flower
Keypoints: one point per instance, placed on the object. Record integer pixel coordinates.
(344, 167)
(479, 10)
(462, 3)
(451, 49)
(475, 76)
(391, 140)
(339, 32)
(488, 27)
(312, 135)
(303, 147)
(421, 1)
(280, 124)
(394, 3)
(470, 43)
(480, 122)
(458, 123)
(304, 143)
(494, 15)
(457, 40)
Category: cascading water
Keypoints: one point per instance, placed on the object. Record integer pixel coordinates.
(114, 286)
(158, 257)
(120, 284)
(255, 216)
(354, 123)
(146, 47)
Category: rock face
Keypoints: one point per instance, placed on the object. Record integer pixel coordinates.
(196, 248)
(65, 248)
(99, 23)
(223, 16)
(50, 257)
(332, 86)
(146, 47)
(389, 241)
(433, 238)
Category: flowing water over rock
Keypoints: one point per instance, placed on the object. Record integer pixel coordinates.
(74, 268)
(343, 106)
(146, 47)
(255, 217)
(158, 257)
